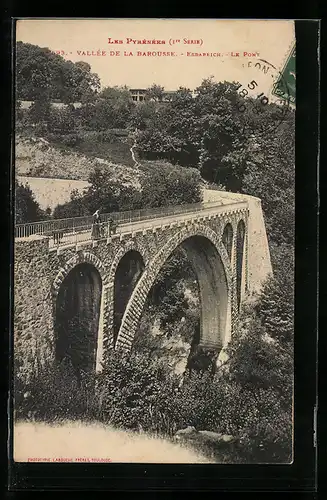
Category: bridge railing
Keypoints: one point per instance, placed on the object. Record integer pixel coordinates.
(76, 230)
(47, 228)
(73, 224)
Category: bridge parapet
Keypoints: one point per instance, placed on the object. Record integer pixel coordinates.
(76, 231)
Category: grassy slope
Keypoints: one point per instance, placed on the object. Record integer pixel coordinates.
(113, 145)
(38, 157)
(56, 166)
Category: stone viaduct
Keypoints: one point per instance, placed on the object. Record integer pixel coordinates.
(99, 288)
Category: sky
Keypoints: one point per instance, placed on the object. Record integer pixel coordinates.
(125, 63)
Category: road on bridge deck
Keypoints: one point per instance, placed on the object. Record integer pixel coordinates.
(148, 224)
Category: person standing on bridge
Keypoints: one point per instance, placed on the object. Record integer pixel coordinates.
(111, 226)
(96, 225)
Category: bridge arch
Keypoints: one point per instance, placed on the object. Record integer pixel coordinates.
(210, 260)
(227, 239)
(126, 247)
(128, 272)
(77, 317)
(79, 302)
(78, 258)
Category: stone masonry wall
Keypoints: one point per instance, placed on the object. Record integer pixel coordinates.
(33, 318)
(257, 248)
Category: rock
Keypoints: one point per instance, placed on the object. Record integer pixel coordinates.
(205, 437)
(217, 438)
(190, 430)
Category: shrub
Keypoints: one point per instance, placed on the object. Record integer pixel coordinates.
(71, 140)
(267, 427)
(109, 195)
(260, 369)
(53, 393)
(40, 111)
(129, 387)
(61, 121)
(110, 135)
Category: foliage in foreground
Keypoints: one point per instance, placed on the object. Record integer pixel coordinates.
(135, 393)
(251, 400)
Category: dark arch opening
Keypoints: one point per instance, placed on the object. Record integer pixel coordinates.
(77, 317)
(213, 289)
(239, 259)
(128, 272)
(187, 330)
(228, 239)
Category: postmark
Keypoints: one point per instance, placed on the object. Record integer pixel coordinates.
(263, 109)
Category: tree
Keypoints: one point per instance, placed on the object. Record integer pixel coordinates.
(62, 121)
(210, 131)
(167, 299)
(275, 308)
(80, 85)
(42, 75)
(270, 175)
(83, 66)
(102, 116)
(161, 186)
(155, 93)
(260, 366)
(104, 193)
(143, 116)
(117, 102)
(110, 195)
(27, 208)
(205, 131)
(109, 113)
(169, 185)
(76, 207)
(170, 134)
(35, 67)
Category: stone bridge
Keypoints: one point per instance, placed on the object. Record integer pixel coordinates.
(88, 295)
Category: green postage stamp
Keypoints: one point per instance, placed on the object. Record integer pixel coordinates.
(285, 87)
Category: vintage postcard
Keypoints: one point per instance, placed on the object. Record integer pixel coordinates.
(154, 241)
